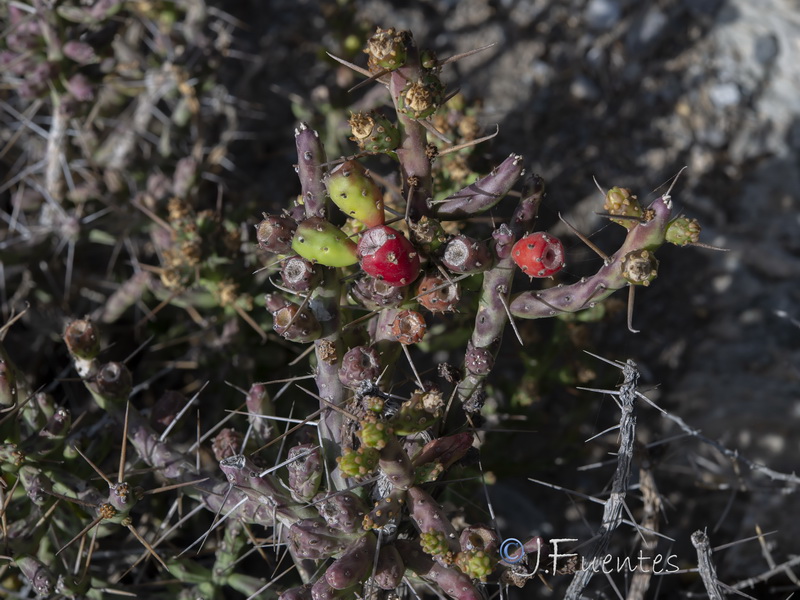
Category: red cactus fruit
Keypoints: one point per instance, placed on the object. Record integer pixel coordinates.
(386, 254)
(538, 254)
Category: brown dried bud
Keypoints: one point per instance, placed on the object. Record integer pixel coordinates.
(409, 327)
(639, 267)
(274, 234)
(81, 339)
(300, 275)
(437, 294)
(227, 443)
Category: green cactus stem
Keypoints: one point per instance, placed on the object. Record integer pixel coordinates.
(485, 193)
(648, 235)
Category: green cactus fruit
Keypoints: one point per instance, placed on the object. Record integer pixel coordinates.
(373, 132)
(420, 99)
(319, 241)
(639, 267)
(476, 564)
(435, 543)
(682, 231)
(620, 201)
(374, 433)
(355, 193)
(358, 463)
(387, 49)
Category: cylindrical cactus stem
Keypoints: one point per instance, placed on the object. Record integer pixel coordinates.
(310, 170)
(484, 193)
(395, 464)
(386, 510)
(357, 195)
(343, 510)
(40, 577)
(313, 538)
(300, 275)
(359, 364)
(492, 316)
(464, 254)
(648, 235)
(274, 234)
(453, 582)
(259, 404)
(389, 569)
(428, 516)
(415, 166)
(246, 476)
(322, 590)
(297, 593)
(329, 350)
(354, 565)
(305, 471)
(445, 450)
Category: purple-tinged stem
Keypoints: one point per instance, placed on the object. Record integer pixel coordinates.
(415, 166)
(483, 194)
(492, 317)
(648, 235)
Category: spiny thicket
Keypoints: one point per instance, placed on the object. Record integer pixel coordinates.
(342, 502)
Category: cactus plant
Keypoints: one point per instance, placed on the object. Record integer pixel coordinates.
(366, 461)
